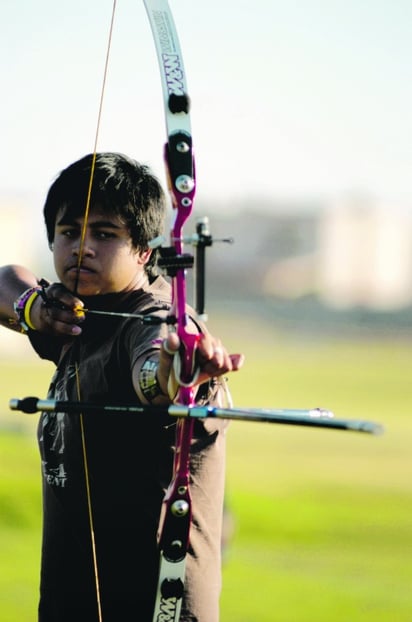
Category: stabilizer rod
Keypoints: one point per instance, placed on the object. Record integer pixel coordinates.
(315, 417)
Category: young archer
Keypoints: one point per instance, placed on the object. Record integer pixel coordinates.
(106, 264)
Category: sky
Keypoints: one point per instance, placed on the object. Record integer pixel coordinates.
(294, 100)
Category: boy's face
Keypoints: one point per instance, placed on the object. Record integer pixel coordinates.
(109, 263)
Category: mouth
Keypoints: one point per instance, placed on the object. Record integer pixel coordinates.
(82, 269)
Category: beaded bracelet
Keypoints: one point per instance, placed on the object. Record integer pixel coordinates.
(22, 307)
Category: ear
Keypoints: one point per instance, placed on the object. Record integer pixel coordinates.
(144, 256)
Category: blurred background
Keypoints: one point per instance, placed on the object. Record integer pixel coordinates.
(302, 133)
(301, 129)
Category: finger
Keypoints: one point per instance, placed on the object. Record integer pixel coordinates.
(65, 315)
(171, 344)
(64, 311)
(212, 353)
(237, 361)
(165, 373)
(60, 322)
(221, 363)
(219, 356)
(57, 296)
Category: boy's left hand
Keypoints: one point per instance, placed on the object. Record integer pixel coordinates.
(212, 358)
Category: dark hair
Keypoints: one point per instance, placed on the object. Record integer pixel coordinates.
(121, 186)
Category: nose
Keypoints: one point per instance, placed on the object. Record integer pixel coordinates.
(83, 247)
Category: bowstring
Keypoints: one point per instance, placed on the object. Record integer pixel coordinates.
(94, 153)
(77, 371)
(89, 501)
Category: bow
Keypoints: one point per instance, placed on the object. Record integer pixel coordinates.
(174, 528)
(176, 513)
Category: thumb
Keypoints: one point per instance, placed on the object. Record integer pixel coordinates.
(165, 373)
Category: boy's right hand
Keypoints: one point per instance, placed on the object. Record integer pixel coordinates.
(61, 316)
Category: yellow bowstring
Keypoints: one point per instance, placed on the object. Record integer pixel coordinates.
(93, 165)
(80, 257)
(89, 501)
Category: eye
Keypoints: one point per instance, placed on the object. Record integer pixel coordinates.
(69, 232)
(104, 235)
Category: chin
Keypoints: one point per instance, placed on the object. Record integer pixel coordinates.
(88, 290)
(81, 288)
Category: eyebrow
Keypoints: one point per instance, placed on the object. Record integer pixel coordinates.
(98, 224)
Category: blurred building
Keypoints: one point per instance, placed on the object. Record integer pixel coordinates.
(350, 253)
(365, 256)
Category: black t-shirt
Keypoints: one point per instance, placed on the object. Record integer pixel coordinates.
(129, 460)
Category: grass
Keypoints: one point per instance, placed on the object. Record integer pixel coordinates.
(19, 527)
(322, 529)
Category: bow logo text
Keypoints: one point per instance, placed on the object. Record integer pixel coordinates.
(174, 74)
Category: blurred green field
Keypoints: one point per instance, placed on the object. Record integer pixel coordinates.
(322, 527)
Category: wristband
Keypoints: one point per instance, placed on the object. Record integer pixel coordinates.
(27, 309)
(23, 305)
